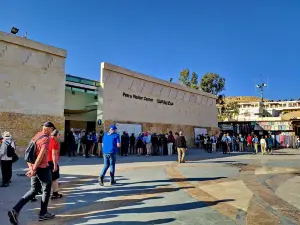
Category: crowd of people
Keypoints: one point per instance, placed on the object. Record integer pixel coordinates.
(87, 144)
(236, 143)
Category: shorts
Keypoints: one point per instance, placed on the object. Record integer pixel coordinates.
(55, 175)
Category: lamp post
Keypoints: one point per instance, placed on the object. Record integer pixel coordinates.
(261, 104)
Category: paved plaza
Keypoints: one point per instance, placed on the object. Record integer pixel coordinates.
(207, 189)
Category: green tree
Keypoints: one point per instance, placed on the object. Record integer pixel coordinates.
(212, 83)
(194, 81)
(184, 77)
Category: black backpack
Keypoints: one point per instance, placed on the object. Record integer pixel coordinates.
(10, 151)
(30, 152)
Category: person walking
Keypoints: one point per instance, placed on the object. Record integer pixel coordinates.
(255, 143)
(111, 143)
(53, 159)
(38, 173)
(171, 141)
(181, 147)
(6, 152)
(263, 145)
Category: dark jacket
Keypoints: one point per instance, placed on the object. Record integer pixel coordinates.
(180, 142)
(125, 139)
(132, 140)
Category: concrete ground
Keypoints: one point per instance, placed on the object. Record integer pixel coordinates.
(207, 189)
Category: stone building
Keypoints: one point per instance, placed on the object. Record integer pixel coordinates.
(32, 86)
(137, 102)
(35, 89)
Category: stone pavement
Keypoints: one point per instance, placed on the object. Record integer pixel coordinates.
(207, 189)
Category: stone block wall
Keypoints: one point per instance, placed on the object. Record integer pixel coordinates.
(24, 126)
(32, 86)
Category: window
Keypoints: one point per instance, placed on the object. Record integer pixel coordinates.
(73, 79)
(88, 82)
(78, 89)
(91, 92)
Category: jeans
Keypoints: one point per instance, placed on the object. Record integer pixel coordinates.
(71, 149)
(170, 148)
(109, 162)
(234, 147)
(42, 178)
(6, 168)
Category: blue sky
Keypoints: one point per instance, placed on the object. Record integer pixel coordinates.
(238, 39)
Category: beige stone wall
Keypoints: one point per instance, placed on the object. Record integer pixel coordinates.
(188, 106)
(32, 86)
(24, 126)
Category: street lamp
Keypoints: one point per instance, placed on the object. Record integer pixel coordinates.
(261, 88)
(14, 30)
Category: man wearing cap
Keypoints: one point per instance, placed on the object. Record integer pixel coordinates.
(110, 143)
(40, 176)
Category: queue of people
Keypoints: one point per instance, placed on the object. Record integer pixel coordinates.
(87, 144)
(235, 143)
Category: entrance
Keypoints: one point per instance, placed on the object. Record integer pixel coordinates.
(198, 131)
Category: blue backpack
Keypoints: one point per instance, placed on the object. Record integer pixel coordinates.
(30, 152)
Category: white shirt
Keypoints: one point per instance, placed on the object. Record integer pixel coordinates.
(262, 141)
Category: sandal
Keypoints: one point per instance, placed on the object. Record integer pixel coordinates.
(56, 196)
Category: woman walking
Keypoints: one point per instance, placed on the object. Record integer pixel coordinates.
(53, 158)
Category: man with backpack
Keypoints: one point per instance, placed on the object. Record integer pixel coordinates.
(7, 151)
(36, 156)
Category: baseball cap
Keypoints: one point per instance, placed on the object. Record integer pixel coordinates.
(113, 127)
(49, 124)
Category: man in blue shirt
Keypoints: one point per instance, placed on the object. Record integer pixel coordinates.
(110, 143)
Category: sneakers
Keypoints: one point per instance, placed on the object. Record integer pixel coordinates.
(112, 182)
(47, 216)
(4, 185)
(13, 217)
(100, 180)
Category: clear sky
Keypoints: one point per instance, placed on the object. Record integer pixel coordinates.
(238, 39)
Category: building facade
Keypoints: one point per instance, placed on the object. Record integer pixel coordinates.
(32, 86)
(137, 103)
(249, 111)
